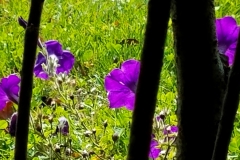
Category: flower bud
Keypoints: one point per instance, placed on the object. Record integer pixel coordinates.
(85, 154)
(72, 97)
(57, 148)
(115, 137)
(50, 119)
(105, 124)
(94, 131)
(22, 22)
(88, 133)
(63, 126)
(68, 152)
(39, 128)
(13, 125)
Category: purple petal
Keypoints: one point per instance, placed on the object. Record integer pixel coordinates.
(66, 62)
(3, 99)
(118, 94)
(11, 80)
(170, 130)
(131, 69)
(154, 151)
(40, 59)
(22, 22)
(158, 118)
(38, 70)
(54, 47)
(119, 76)
(231, 53)
(111, 84)
(10, 85)
(119, 99)
(227, 32)
(174, 129)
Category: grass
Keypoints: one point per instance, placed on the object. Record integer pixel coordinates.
(93, 32)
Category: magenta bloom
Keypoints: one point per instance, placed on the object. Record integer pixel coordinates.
(63, 60)
(9, 88)
(154, 151)
(121, 84)
(227, 36)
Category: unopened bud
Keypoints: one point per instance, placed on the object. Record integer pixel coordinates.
(63, 126)
(39, 128)
(115, 137)
(50, 119)
(72, 97)
(162, 115)
(88, 133)
(105, 124)
(68, 151)
(22, 22)
(94, 131)
(85, 154)
(73, 82)
(57, 148)
(91, 153)
(13, 125)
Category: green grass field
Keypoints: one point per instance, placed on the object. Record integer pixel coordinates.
(94, 32)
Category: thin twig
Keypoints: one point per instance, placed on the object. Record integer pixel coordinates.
(30, 47)
(147, 89)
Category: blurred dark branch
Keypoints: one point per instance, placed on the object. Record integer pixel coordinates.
(151, 65)
(200, 78)
(30, 46)
(230, 107)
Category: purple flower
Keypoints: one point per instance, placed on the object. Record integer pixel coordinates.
(121, 84)
(13, 124)
(63, 126)
(154, 151)
(58, 61)
(170, 130)
(9, 88)
(227, 35)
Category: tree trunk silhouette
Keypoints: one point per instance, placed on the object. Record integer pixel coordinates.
(230, 106)
(200, 73)
(149, 77)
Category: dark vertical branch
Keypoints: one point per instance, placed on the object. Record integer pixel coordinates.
(229, 111)
(30, 46)
(201, 83)
(151, 65)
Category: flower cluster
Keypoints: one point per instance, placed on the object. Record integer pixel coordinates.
(51, 62)
(55, 61)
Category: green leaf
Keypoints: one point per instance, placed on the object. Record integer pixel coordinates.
(3, 124)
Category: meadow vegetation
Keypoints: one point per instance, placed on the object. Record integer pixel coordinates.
(101, 34)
